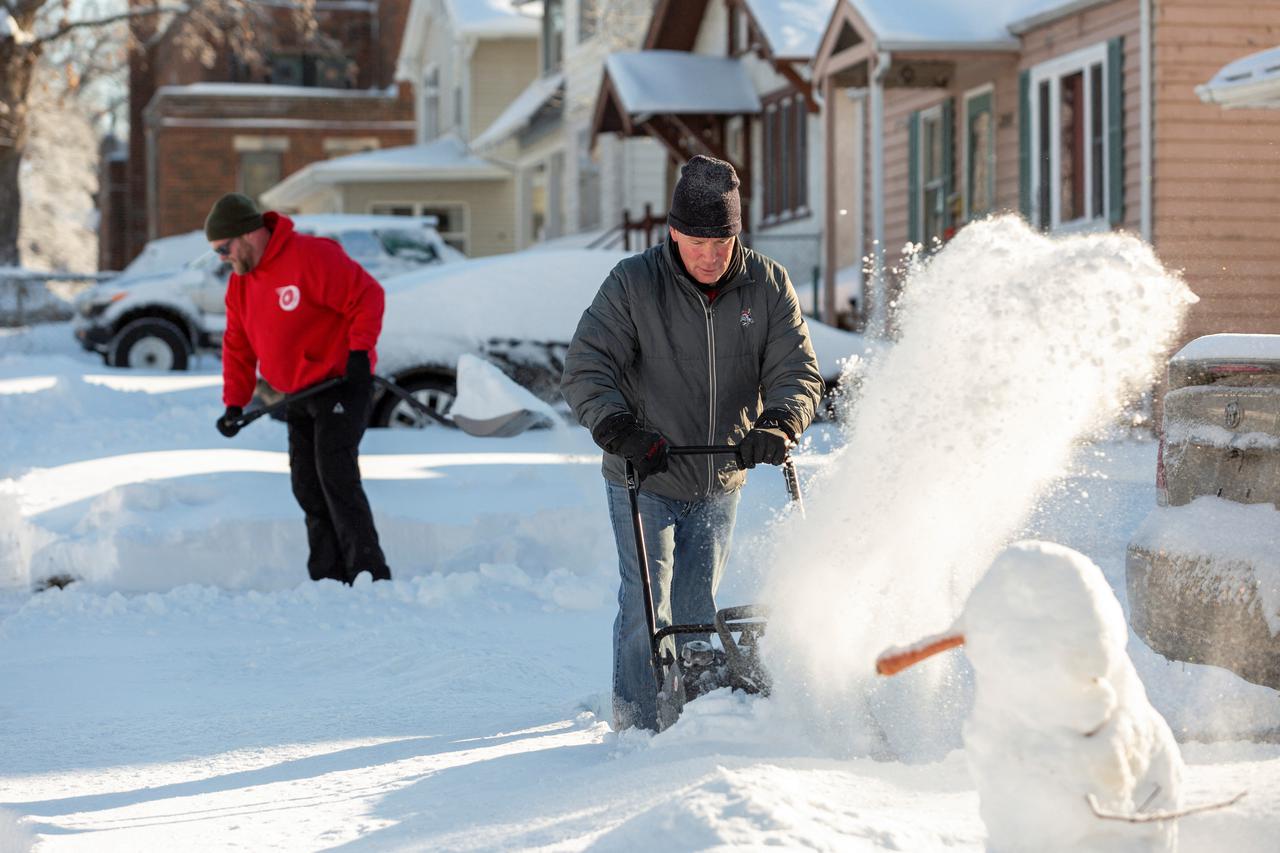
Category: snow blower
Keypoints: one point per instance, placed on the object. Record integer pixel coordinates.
(700, 666)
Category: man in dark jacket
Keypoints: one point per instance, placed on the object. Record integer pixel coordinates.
(698, 340)
(300, 311)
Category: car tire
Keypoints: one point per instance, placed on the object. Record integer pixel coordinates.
(150, 343)
(435, 391)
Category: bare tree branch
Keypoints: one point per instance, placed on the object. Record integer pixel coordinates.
(1154, 817)
(72, 26)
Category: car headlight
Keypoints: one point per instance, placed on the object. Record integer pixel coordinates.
(95, 305)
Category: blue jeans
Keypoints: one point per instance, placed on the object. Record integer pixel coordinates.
(687, 544)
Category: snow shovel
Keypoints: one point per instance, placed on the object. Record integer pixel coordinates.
(700, 666)
(503, 426)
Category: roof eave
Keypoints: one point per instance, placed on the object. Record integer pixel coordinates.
(1068, 7)
(998, 46)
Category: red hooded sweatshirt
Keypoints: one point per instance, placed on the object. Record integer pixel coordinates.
(296, 315)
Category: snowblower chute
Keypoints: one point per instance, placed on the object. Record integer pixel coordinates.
(701, 666)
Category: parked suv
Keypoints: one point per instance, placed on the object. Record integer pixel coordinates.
(1203, 570)
(168, 304)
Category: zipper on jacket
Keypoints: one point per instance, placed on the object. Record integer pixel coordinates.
(711, 403)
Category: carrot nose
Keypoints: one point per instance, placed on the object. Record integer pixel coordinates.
(893, 661)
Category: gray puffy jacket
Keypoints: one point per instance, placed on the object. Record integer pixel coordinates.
(698, 373)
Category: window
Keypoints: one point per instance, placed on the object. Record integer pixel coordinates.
(786, 156)
(451, 219)
(286, 70)
(1071, 170)
(430, 118)
(303, 69)
(979, 154)
(588, 19)
(552, 35)
(259, 172)
(930, 163)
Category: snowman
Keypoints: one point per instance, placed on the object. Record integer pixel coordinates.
(1061, 734)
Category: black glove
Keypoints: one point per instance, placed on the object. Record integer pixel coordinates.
(767, 441)
(622, 435)
(226, 424)
(359, 374)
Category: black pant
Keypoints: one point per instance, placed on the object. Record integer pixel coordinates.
(324, 452)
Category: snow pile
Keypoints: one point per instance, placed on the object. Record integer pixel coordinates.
(1229, 549)
(1012, 346)
(486, 392)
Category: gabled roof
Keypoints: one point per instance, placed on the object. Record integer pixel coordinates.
(443, 159)
(469, 19)
(1252, 81)
(792, 28)
(672, 82)
(520, 112)
(956, 25)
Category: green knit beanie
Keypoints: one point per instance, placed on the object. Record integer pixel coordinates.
(232, 215)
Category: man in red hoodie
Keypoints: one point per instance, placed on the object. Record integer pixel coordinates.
(300, 311)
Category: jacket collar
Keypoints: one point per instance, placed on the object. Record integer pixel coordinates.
(734, 277)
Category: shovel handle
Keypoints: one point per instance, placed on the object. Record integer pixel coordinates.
(249, 417)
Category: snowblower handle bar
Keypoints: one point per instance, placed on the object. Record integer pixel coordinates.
(249, 417)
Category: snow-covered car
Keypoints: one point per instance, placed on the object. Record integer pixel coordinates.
(168, 304)
(518, 311)
(1203, 569)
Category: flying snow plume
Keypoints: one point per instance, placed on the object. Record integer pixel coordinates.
(1012, 345)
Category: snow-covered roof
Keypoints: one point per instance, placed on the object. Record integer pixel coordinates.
(792, 28)
(660, 81)
(1227, 347)
(240, 90)
(444, 159)
(1252, 81)
(520, 111)
(470, 19)
(958, 24)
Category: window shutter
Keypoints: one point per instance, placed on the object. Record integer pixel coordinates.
(1115, 129)
(913, 178)
(1024, 143)
(948, 161)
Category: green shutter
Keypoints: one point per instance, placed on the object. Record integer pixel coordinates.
(1024, 143)
(948, 161)
(1115, 128)
(913, 178)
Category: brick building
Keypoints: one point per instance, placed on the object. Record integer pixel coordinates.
(197, 132)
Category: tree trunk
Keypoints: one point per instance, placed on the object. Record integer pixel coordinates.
(17, 61)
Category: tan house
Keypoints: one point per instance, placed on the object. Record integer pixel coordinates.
(1080, 114)
(566, 186)
(466, 60)
(752, 104)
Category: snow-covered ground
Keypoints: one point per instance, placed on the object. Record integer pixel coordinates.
(193, 691)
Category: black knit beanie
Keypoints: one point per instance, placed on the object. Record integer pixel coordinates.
(705, 203)
(232, 215)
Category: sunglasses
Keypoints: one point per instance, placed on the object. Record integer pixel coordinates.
(225, 249)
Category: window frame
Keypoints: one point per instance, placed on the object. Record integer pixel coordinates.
(1047, 189)
(987, 90)
(784, 125)
(429, 121)
(935, 114)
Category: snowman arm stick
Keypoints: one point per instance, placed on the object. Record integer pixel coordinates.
(1152, 817)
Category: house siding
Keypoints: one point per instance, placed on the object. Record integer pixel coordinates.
(1095, 26)
(1216, 187)
(500, 70)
